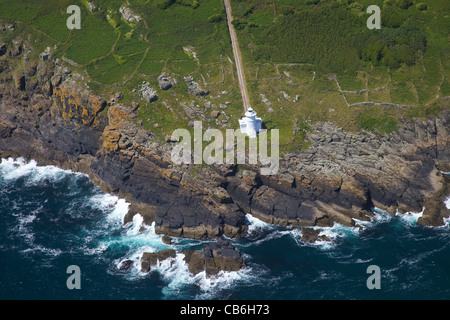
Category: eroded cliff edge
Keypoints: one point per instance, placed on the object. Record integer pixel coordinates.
(342, 175)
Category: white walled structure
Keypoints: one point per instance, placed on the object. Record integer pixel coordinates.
(250, 124)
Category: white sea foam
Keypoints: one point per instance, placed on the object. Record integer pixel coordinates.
(409, 218)
(338, 231)
(13, 169)
(447, 204)
(137, 236)
(23, 228)
(110, 205)
(255, 224)
(136, 225)
(176, 273)
(446, 222)
(110, 233)
(49, 251)
(334, 233)
(380, 216)
(224, 280)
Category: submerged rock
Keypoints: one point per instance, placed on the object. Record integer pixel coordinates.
(166, 239)
(125, 265)
(312, 235)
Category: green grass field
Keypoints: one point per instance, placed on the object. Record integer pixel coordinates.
(292, 51)
(331, 37)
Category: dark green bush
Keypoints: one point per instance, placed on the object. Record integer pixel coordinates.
(422, 6)
(164, 4)
(404, 4)
(215, 18)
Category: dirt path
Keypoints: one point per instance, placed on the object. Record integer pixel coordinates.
(237, 56)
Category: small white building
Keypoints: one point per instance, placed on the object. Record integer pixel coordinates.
(250, 124)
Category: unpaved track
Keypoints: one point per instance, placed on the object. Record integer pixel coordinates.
(237, 56)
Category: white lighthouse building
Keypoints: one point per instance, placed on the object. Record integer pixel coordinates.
(250, 124)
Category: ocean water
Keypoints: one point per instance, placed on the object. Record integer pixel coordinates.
(52, 219)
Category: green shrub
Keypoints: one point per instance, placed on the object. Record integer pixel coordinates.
(239, 24)
(422, 6)
(164, 4)
(404, 4)
(392, 18)
(215, 18)
(249, 10)
(357, 8)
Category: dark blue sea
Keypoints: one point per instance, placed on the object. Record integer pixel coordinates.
(52, 219)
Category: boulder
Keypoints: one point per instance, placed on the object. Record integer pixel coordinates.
(171, 139)
(150, 259)
(17, 48)
(128, 15)
(118, 96)
(125, 265)
(194, 88)
(148, 93)
(19, 81)
(214, 257)
(312, 235)
(249, 177)
(145, 210)
(45, 56)
(221, 195)
(166, 239)
(215, 113)
(166, 82)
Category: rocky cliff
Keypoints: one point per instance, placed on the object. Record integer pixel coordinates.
(54, 119)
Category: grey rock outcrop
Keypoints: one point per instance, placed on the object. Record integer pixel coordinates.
(129, 15)
(166, 82)
(150, 259)
(147, 93)
(214, 257)
(194, 88)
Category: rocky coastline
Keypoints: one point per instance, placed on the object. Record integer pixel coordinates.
(53, 119)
